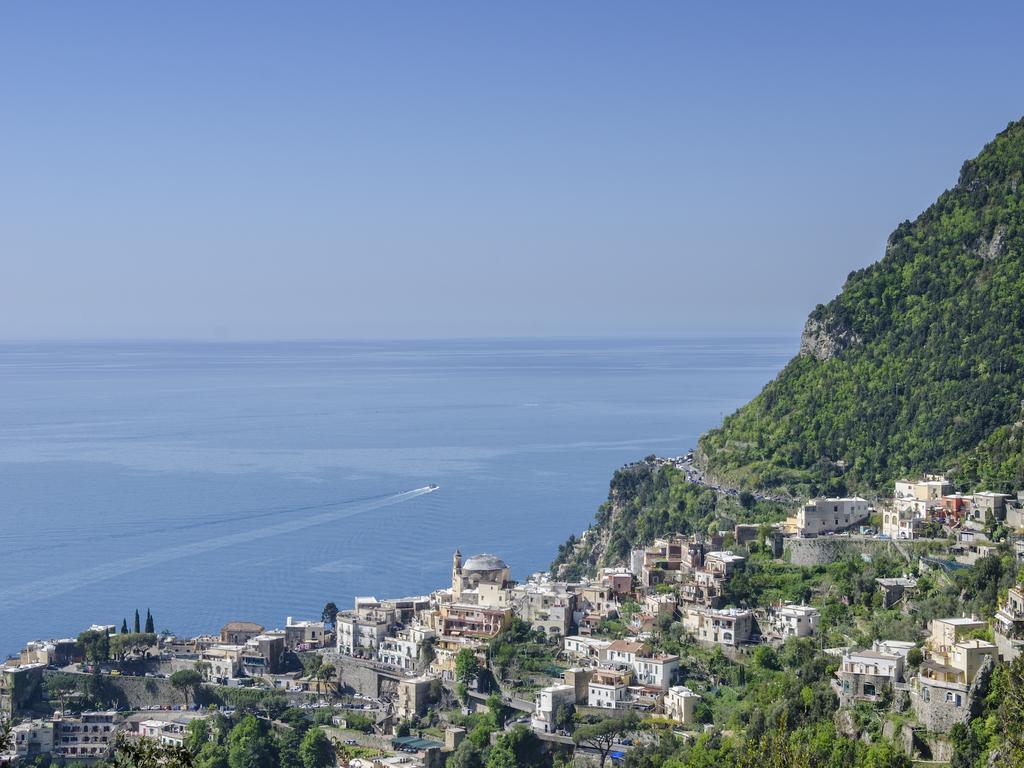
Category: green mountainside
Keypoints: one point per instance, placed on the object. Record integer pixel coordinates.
(917, 365)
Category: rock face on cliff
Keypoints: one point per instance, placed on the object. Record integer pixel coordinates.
(918, 364)
(822, 342)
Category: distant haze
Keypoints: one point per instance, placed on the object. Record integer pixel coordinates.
(281, 170)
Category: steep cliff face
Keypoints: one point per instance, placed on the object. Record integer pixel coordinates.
(823, 341)
(918, 364)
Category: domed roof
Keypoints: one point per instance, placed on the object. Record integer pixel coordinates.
(484, 563)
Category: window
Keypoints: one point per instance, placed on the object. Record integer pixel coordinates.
(925, 695)
(869, 689)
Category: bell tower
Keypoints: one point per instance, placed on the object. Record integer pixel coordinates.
(457, 574)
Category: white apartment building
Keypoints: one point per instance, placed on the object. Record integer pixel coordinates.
(657, 671)
(546, 706)
(304, 634)
(586, 647)
(89, 736)
(824, 515)
(791, 620)
(927, 488)
(403, 650)
(166, 732)
(681, 704)
(726, 626)
(357, 632)
(34, 737)
(724, 563)
(608, 689)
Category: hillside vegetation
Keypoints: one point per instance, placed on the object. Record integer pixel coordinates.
(646, 501)
(917, 365)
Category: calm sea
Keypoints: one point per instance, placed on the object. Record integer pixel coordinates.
(210, 482)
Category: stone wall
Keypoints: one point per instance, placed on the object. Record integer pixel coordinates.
(357, 676)
(827, 549)
(132, 692)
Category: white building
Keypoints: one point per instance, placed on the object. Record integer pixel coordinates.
(304, 634)
(823, 515)
(657, 671)
(609, 689)
(724, 563)
(547, 703)
(403, 650)
(34, 737)
(586, 647)
(901, 522)
(791, 620)
(364, 632)
(681, 704)
(166, 732)
(625, 652)
(89, 736)
(726, 626)
(862, 675)
(928, 488)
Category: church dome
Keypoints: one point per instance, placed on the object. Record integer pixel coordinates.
(484, 563)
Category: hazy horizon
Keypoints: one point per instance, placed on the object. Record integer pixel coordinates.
(252, 171)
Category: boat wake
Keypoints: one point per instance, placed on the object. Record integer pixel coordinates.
(52, 586)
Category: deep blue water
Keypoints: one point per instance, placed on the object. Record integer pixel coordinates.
(210, 482)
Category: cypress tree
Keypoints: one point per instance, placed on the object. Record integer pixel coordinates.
(138, 626)
(149, 622)
(124, 626)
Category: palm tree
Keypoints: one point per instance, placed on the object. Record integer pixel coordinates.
(326, 672)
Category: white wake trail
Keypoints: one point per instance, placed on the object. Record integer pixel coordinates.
(52, 586)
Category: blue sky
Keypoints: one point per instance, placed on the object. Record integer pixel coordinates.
(283, 170)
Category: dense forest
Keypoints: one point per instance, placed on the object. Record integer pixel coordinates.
(917, 365)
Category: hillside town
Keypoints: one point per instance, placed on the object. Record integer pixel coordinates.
(398, 680)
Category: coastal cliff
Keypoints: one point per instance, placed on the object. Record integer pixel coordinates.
(917, 365)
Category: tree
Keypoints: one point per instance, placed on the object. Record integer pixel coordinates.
(212, 755)
(467, 667)
(150, 753)
(197, 733)
(765, 657)
(523, 744)
(186, 681)
(203, 668)
(250, 745)
(6, 739)
(150, 625)
(138, 624)
(329, 615)
(311, 663)
(914, 657)
(288, 742)
(316, 750)
(326, 673)
(467, 755)
(1011, 714)
(501, 756)
(602, 735)
(60, 686)
(95, 646)
(497, 709)
(124, 626)
(124, 645)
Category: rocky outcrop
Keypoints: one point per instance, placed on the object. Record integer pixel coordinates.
(992, 249)
(822, 341)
